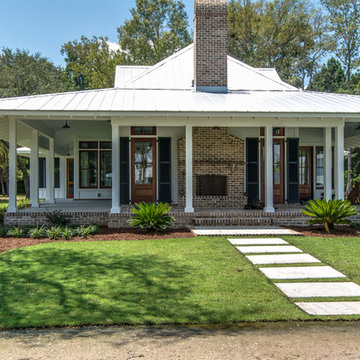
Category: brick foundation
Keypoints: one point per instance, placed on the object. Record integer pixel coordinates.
(215, 152)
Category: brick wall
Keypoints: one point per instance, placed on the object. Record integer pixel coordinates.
(215, 152)
(210, 43)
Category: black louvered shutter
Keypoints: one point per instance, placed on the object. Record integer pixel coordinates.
(124, 170)
(164, 169)
(292, 170)
(252, 170)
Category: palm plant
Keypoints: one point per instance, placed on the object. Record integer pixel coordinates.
(151, 216)
(329, 212)
(38, 232)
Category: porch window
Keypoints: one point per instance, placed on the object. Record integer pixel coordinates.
(304, 167)
(88, 169)
(57, 173)
(143, 130)
(95, 164)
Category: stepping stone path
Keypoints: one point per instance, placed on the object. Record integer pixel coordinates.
(284, 253)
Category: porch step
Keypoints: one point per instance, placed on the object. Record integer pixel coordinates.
(222, 221)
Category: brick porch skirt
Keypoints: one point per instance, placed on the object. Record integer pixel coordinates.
(221, 217)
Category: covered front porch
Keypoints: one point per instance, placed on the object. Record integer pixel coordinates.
(109, 161)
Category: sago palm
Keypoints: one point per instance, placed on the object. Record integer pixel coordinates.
(329, 212)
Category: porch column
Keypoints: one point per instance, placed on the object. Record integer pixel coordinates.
(34, 169)
(327, 164)
(115, 156)
(269, 181)
(339, 162)
(188, 170)
(12, 165)
(50, 173)
(76, 168)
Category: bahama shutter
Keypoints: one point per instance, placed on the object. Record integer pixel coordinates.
(292, 170)
(164, 161)
(252, 170)
(124, 171)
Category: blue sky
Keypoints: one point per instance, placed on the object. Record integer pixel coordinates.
(44, 25)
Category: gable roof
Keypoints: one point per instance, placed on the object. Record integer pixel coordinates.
(177, 72)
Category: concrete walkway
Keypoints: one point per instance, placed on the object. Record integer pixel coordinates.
(271, 251)
(244, 231)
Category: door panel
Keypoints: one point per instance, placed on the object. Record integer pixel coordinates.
(70, 178)
(305, 173)
(143, 170)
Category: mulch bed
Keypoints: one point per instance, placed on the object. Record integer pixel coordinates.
(105, 235)
(339, 231)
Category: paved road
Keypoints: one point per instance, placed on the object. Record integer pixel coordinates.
(313, 341)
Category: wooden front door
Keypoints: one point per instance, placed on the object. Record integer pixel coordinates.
(143, 170)
(278, 171)
(305, 173)
(70, 178)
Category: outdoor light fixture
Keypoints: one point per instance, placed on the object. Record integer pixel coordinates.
(66, 126)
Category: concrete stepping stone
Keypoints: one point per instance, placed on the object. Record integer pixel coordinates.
(320, 289)
(261, 241)
(331, 308)
(282, 259)
(301, 272)
(253, 231)
(268, 249)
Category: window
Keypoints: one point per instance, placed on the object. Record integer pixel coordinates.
(42, 173)
(143, 130)
(319, 167)
(304, 166)
(95, 164)
(277, 131)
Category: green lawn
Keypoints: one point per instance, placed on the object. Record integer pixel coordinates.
(196, 280)
(177, 281)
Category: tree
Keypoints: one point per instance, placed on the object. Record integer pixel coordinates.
(157, 29)
(273, 34)
(90, 64)
(24, 74)
(331, 78)
(345, 26)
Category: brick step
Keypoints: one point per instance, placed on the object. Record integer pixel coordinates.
(210, 221)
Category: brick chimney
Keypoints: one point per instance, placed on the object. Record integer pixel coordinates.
(210, 45)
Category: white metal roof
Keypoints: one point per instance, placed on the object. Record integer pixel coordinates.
(177, 72)
(107, 101)
(124, 73)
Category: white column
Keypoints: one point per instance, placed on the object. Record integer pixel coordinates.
(12, 165)
(188, 170)
(327, 164)
(34, 169)
(115, 158)
(76, 168)
(50, 171)
(339, 163)
(269, 168)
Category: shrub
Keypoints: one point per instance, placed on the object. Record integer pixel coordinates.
(329, 212)
(94, 229)
(23, 204)
(4, 231)
(151, 216)
(18, 232)
(83, 231)
(54, 232)
(37, 233)
(57, 218)
(67, 233)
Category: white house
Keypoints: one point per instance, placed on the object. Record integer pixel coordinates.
(200, 130)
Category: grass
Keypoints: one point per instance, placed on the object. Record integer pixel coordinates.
(166, 281)
(196, 280)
